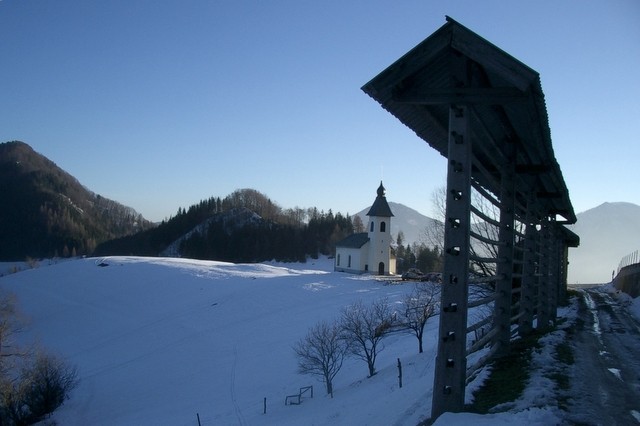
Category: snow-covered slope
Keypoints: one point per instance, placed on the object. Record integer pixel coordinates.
(158, 341)
(607, 234)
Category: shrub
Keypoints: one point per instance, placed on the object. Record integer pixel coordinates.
(43, 386)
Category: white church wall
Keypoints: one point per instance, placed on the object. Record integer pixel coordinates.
(350, 259)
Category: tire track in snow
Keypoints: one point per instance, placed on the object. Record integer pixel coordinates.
(236, 407)
(605, 383)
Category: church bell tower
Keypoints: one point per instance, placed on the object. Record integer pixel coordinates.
(379, 232)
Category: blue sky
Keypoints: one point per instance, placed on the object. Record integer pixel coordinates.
(159, 104)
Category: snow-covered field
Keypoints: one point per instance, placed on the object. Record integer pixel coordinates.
(160, 341)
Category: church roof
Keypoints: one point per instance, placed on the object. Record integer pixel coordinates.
(380, 207)
(354, 240)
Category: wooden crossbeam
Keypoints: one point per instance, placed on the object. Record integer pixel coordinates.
(549, 195)
(532, 169)
(467, 96)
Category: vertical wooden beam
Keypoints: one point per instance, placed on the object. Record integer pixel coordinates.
(554, 282)
(537, 281)
(450, 369)
(544, 273)
(506, 236)
(564, 268)
(529, 279)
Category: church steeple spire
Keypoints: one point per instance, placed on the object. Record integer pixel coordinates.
(380, 207)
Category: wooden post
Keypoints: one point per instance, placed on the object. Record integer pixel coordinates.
(451, 360)
(264, 405)
(564, 271)
(554, 282)
(399, 373)
(543, 286)
(504, 268)
(529, 279)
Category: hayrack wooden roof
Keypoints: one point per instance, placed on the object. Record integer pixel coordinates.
(506, 103)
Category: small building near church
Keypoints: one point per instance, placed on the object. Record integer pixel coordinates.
(369, 252)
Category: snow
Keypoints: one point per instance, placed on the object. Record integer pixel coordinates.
(160, 341)
(164, 340)
(632, 305)
(537, 405)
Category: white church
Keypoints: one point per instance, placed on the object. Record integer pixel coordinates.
(369, 252)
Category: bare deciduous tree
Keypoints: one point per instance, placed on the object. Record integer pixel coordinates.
(434, 234)
(321, 352)
(358, 226)
(9, 326)
(364, 327)
(486, 227)
(420, 305)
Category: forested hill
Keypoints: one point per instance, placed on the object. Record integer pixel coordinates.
(46, 212)
(245, 226)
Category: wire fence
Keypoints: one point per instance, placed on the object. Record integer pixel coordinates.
(630, 259)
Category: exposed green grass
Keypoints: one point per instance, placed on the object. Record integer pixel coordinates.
(510, 374)
(570, 294)
(564, 353)
(508, 378)
(564, 356)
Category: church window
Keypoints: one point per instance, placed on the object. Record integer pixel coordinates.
(371, 226)
(383, 226)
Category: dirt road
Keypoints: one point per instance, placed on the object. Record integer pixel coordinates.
(605, 385)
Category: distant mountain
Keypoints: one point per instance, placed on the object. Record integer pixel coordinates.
(412, 223)
(46, 212)
(245, 226)
(607, 234)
